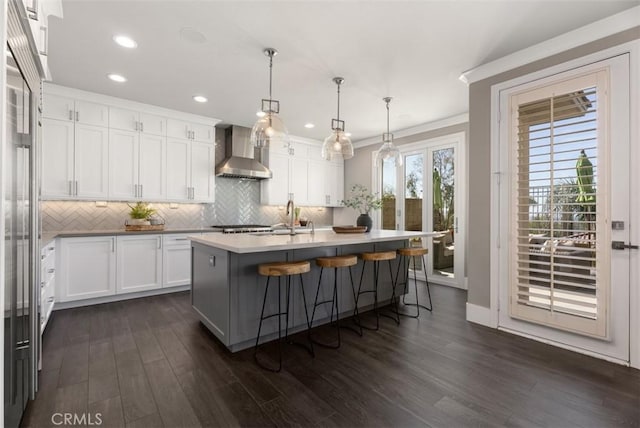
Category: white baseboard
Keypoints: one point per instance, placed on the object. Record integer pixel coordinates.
(481, 315)
(118, 297)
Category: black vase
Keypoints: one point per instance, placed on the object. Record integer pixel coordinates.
(365, 220)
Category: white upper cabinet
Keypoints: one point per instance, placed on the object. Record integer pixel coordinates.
(64, 108)
(130, 120)
(57, 158)
(190, 131)
(203, 159)
(178, 169)
(117, 150)
(74, 160)
(190, 175)
(91, 162)
(300, 173)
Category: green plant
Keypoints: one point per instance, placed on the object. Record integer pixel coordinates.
(141, 211)
(362, 200)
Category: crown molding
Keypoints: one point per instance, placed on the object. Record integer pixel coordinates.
(430, 126)
(613, 24)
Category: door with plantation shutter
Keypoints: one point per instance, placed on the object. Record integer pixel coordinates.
(567, 197)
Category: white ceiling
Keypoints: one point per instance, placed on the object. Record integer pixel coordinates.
(412, 51)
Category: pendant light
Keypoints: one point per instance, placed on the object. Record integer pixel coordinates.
(337, 145)
(388, 151)
(269, 128)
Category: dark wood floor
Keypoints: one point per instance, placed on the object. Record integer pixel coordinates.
(149, 363)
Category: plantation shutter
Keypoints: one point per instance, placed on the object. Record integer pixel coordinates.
(559, 263)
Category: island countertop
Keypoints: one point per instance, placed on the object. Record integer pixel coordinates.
(258, 243)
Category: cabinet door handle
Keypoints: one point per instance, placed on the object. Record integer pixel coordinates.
(141, 126)
(180, 239)
(77, 116)
(70, 114)
(76, 188)
(45, 43)
(113, 245)
(42, 284)
(135, 190)
(135, 125)
(70, 188)
(159, 243)
(141, 190)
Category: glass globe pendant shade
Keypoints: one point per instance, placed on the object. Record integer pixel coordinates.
(268, 130)
(389, 151)
(337, 146)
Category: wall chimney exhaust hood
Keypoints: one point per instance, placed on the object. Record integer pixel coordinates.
(239, 161)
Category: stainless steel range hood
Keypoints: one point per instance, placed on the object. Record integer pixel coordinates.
(239, 161)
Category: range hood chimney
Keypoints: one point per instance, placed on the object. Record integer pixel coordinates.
(239, 161)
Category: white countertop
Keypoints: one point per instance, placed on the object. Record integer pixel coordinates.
(252, 243)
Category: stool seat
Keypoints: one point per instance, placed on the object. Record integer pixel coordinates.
(337, 261)
(382, 255)
(412, 252)
(284, 268)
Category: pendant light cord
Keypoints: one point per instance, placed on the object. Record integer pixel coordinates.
(338, 102)
(387, 117)
(270, 75)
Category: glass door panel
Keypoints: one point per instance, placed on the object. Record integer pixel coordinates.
(389, 195)
(443, 211)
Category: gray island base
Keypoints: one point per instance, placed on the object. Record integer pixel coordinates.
(227, 291)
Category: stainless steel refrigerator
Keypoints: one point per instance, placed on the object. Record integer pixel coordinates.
(20, 206)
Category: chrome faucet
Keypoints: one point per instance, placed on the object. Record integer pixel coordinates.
(313, 227)
(290, 211)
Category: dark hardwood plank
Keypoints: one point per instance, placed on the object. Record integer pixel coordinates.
(173, 405)
(150, 363)
(110, 411)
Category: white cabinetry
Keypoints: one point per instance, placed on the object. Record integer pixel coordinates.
(130, 120)
(137, 165)
(190, 175)
(87, 268)
(300, 174)
(176, 260)
(82, 112)
(47, 283)
(139, 263)
(190, 131)
(74, 160)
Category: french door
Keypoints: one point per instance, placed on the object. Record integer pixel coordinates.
(565, 208)
(427, 193)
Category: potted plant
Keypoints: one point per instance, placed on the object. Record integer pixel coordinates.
(140, 214)
(363, 201)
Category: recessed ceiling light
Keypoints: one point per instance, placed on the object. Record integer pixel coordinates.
(125, 41)
(309, 125)
(261, 114)
(200, 99)
(348, 134)
(117, 78)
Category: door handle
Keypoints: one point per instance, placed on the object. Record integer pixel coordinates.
(620, 245)
(77, 116)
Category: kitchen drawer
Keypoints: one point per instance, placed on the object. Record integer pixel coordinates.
(176, 239)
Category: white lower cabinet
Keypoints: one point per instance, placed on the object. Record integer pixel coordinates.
(87, 268)
(139, 265)
(99, 266)
(176, 260)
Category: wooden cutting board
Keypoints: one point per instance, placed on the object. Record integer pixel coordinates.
(349, 229)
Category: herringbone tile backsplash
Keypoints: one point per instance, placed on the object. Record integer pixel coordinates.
(237, 202)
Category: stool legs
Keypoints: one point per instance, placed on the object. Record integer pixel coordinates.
(394, 298)
(415, 286)
(334, 305)
(279, 314)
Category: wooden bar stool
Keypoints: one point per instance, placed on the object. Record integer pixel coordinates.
(336, 263)
(376, 258)
(280, 269)
(413, 253)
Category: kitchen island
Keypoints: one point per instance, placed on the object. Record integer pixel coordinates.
(227, 291)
